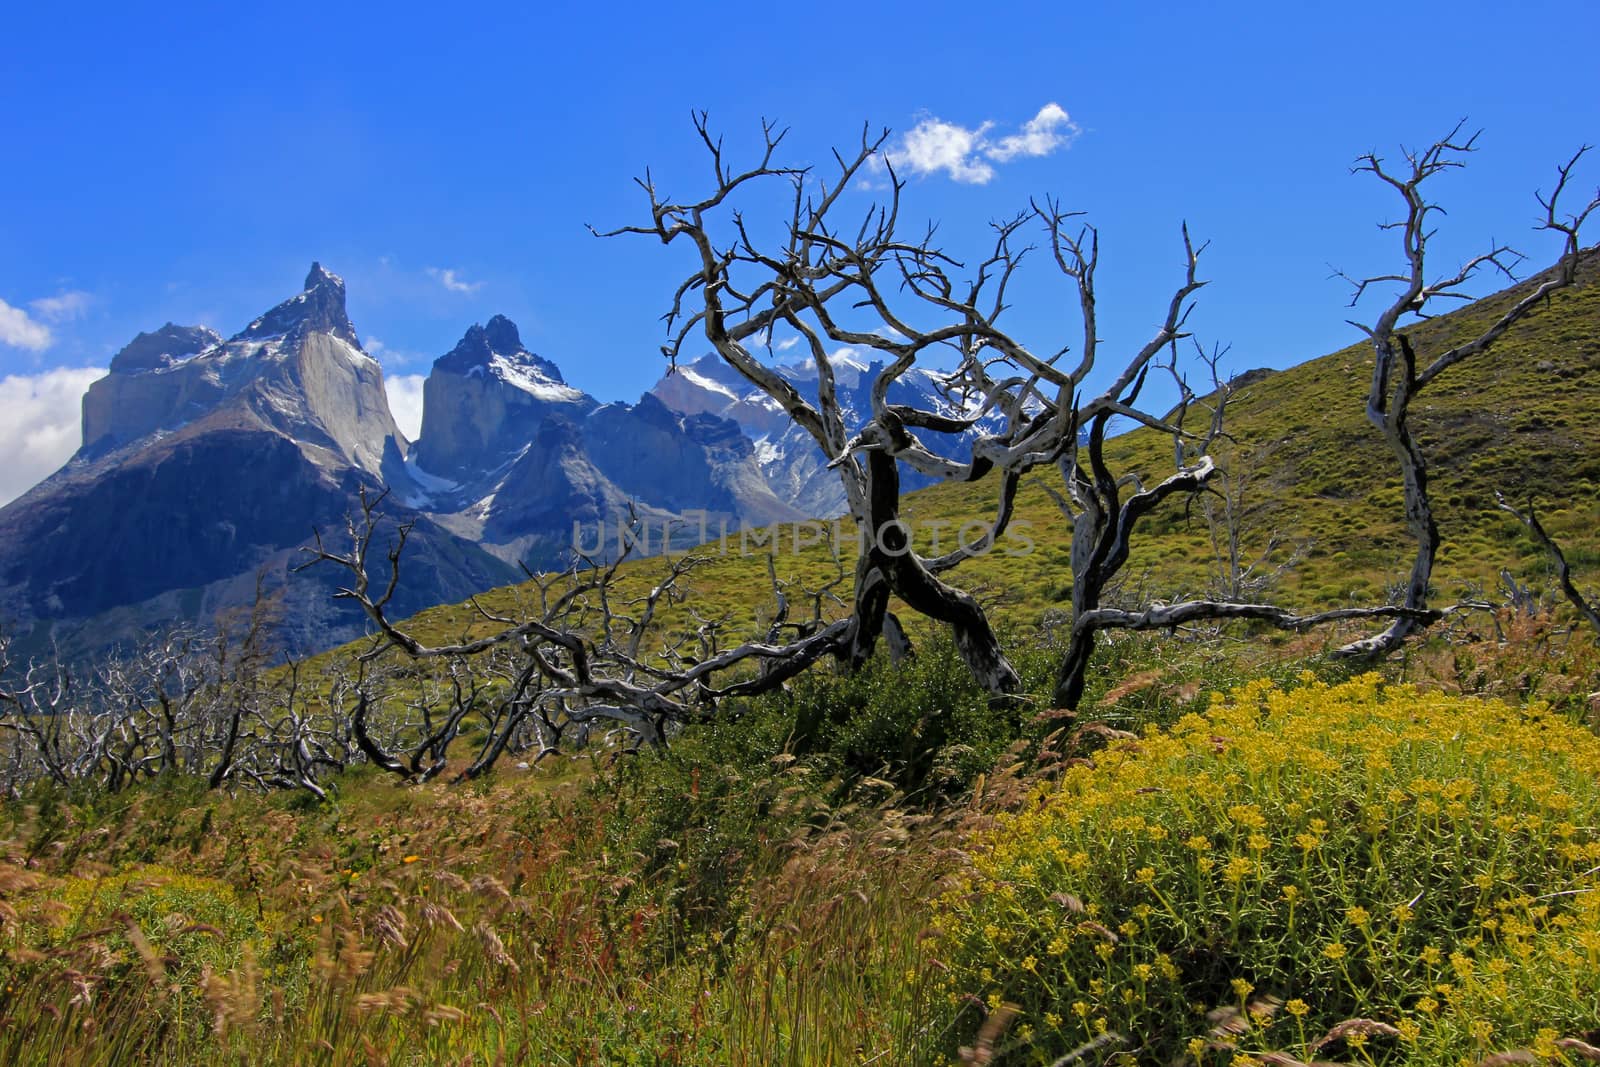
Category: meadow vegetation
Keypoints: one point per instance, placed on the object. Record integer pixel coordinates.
(877, 868)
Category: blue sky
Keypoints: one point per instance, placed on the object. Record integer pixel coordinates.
(188, 165)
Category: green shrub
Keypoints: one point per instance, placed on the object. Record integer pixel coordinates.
(1290, 861)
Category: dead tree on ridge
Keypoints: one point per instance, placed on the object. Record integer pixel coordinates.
(589, 655)
(1589, 609)
(859, 283)
(1400, 373)
(1105, 507)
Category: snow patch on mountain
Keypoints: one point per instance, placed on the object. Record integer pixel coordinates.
(707, 384)
(531, 381)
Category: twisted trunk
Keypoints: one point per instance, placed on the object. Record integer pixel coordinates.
(890, 565)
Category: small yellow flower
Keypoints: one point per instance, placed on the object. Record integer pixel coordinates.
(1544, 1044)
(1297, 1007)
(1335, 951)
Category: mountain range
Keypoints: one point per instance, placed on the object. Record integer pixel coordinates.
(208, 463)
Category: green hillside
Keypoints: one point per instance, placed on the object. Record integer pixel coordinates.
(1317, 476)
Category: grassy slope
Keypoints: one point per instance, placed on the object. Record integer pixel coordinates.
(1521, 419)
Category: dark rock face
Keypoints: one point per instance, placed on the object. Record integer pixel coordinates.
(169, 517)
(654, 454)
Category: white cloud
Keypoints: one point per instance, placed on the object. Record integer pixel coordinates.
(453, 281)
(63, 307)
(1050, 129)
(43, 424)
(934, 145)
(786, 344)
(393, 357)
(968, 155)
(405, 401)
(20, 331)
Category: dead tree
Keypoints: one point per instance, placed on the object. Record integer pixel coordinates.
(241, 653)
(35, 699)
(812, 281)
(1248, 556)
(858, 282)
(1400, 372)
(1529, 518)
(585, 657)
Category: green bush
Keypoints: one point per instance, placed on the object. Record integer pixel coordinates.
(1254, 877)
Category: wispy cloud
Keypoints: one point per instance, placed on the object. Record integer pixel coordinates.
(19, 330)
(453, 281)
(969, 154)
(63, 307)
(764, 338)
(383, 353)
(42, 427)
(405, 402)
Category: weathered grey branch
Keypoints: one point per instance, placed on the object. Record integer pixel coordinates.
(1530, 519)
(1396, 377)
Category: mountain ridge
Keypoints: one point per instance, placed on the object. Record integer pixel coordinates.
(202, 469)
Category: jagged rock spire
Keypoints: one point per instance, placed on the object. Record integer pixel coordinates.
(318, 309)
(498, 337)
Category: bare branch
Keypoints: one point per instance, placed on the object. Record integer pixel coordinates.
(1590, 610)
